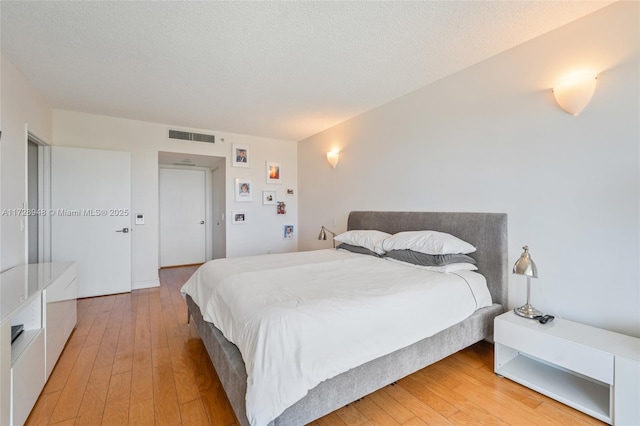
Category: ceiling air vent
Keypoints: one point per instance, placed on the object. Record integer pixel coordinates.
(188, 136)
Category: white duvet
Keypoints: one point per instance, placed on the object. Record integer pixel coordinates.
(301, 318)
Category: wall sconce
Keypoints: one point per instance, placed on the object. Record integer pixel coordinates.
(333, 157)
(574, 91)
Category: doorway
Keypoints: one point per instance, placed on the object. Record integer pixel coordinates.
(38, 198)
(182, 216)
(33, 177)
(191, 208)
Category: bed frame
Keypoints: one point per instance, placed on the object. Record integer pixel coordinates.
(486, 231)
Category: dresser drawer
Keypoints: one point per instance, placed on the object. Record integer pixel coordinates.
(27, 379)
(64, 287)
(537, 340)
(60, 319)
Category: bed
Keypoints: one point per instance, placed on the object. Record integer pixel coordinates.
(486, 231)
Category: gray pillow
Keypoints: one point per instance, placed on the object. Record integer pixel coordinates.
(423, 259)
(357, 249)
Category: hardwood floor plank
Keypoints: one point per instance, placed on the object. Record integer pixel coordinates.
(474, 413)
(142, 333)
(167, 410)
(415, 405)
(95, 397)
(216, 403)
(96, 332)
(43, 409)
(75, 386)
(186, 386)
(331, 419)
(116, 410)
(397, 411)
(374, 413)
(107, 350)
(193, 414)
(117, 311)
(553, 409)
(437, 401)
(489, 378)
(142, 413)
(470, 357)
(70, 422)
(123, 360)
(507, 411)
(85, 322)
(62, 369)
(161, 356)
(351, 416)
(142, 383)
(414, 421)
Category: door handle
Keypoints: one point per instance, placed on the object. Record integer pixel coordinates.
(124, 230)
(202, 222)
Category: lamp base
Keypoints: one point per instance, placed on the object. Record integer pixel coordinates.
(527, 311)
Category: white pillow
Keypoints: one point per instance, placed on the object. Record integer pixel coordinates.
(429, 242)
(452, 267)
(369, 239)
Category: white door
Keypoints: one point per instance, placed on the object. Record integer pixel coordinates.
(182, 217)
(91, 222)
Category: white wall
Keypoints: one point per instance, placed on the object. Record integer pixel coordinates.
(23, 108)
(492, 139)
(263, 232)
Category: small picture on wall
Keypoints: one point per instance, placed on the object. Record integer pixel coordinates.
(289, 191)
(240, 155)
(273, 172)
(281, 208)
(238, 217)
(268, 197)
(243, 189)
(288, 232)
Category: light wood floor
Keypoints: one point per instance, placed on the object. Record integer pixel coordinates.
(132, 359)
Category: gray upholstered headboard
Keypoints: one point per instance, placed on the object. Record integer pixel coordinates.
(486, 231)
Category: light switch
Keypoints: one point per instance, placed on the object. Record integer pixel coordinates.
(139, 219)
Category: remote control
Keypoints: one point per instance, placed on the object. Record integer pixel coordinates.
(543, 319)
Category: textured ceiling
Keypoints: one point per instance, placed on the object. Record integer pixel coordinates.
(276, 69)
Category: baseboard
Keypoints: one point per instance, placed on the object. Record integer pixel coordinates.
(145, 284)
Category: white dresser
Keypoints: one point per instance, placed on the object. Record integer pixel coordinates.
(592, 370)
(41, 297)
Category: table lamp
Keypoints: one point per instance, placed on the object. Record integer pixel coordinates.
(323, 235)
(525, 266)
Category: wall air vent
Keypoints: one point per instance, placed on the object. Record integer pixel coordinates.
(188, 136)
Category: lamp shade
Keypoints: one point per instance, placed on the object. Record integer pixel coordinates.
(525, 265)
(323, 235)
(333, 157)
(574, 91)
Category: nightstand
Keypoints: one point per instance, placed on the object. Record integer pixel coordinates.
(592, 370)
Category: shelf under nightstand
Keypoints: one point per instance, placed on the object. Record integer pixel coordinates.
(590, 369)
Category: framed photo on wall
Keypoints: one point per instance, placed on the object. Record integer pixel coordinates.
(288, 232)
(273, 172)
(268, 197)
(238, 217)
(243, 189)
(281, 208)
(240, 155)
